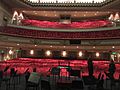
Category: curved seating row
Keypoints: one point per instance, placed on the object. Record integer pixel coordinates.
(106, 34)
(44, 65)
(70, 25)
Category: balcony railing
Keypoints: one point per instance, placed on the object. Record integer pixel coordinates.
(64, 30)
(32, 33)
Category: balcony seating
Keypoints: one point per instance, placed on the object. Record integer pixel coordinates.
(73, 25)
(106, 34)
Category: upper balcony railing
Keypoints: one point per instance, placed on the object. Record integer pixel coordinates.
(64, 30)
(67, 24)
(67, 3)
(111, 33)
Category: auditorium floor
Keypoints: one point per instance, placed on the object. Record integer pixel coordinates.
(21, 86)
(44, 66)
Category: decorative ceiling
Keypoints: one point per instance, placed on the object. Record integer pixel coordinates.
(53, 13)
(67, 1)
(17, 4)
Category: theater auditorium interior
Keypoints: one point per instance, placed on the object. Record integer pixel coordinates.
(60, 44)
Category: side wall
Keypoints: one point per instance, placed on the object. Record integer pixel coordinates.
(5, 15)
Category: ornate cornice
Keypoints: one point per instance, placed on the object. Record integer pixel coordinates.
(66, 4)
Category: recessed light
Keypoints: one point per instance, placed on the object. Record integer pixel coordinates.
(18, 44)
(74, 14)
(48, 53)
(113, 46)
(95, 13)
(51, 46)
(118, 20)
(35, 45)
(35, 13)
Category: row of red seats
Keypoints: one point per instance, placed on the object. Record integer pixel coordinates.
(43, 65)
(60, 35)
(75, 25)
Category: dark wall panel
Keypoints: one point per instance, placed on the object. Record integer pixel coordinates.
(75, 42)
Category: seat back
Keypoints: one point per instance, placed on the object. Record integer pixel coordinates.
(34, 69)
